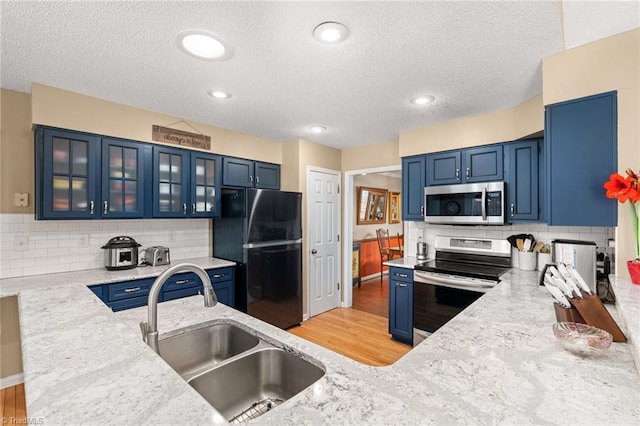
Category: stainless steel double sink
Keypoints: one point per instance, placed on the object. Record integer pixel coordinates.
(238, 373)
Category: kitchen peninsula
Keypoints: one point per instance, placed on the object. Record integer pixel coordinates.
(497, 362)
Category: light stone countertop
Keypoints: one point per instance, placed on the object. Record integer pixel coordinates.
(404, 262)
(496, 363)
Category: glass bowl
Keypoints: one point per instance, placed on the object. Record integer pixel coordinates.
(582, 339)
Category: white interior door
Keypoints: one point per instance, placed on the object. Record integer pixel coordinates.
(324, 240)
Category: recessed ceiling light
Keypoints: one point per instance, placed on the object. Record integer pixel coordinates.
(317, 129)
(330, 33)
(204, 45)
(422, 100)
(219, 94)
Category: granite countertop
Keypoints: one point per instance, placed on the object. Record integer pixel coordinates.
(405, 262)
(497, 362)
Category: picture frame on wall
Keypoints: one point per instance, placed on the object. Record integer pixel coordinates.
(394, 207)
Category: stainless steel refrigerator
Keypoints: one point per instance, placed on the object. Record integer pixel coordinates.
(261, 231)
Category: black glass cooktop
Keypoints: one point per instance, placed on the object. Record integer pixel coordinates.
(465, 269)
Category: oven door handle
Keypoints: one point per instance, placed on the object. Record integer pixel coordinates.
(484, 203)
(434, 279)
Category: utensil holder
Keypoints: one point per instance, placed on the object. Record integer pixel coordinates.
(527, 260)
(543, 260)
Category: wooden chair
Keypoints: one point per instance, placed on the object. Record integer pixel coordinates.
(384, 244)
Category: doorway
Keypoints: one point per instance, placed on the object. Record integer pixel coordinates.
(375, 298)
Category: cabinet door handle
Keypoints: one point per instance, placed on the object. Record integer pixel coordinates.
(457, 174)
(401, 285)
(468, 172)
(193, 208)
(184, 208)
(182, 281)
(251, 179)
(257, 179)
(91, 207)
(422, 210)
(105, 207)
(131, 290)
(513, 209)
(218, 275)
(403, 275)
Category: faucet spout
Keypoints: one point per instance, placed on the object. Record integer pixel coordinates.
(150, 327)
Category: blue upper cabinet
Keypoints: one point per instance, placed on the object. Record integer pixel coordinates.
(581, 153)
(483, 164)
(413, 183)
(206, 175)
(267, 175)
(67, 174)
(522, 179)
(170, 182)
(443, 168)
(239, 172)
(125, 165)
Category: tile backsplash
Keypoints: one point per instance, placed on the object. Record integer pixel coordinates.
(30, 247)
(541, 232)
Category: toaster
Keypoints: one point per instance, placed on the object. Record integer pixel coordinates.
(156, 256)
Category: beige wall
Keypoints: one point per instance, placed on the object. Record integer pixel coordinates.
(609, 64)
(16, 151)
(68, 110)
(10, 350)
(375, 180)
(501, 126)
(379, 154)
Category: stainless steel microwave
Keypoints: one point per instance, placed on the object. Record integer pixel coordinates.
(466, 204)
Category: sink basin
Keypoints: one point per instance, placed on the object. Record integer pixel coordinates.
(197, 350)
(250, 385)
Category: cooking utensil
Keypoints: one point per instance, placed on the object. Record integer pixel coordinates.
(538, 246)
(527, 245)
(520, 244)
(560, 284)
(557, 295)
(568, 278)
(581, 282)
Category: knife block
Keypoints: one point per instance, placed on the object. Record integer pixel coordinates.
(590, 310)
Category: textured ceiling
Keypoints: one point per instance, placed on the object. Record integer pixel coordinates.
(474, 57)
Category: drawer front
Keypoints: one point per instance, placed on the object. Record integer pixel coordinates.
(129, 289)
(401, 274)
(181, 281)
(183, 292)
(131, 303)
(220, 274)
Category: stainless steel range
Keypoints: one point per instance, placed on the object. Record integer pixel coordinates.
(463, 270)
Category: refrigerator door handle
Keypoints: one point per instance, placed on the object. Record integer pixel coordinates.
(271, 243)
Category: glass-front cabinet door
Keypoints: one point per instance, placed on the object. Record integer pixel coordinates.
(205, 183)
(123, 171)
(170, 182)
(69, 174)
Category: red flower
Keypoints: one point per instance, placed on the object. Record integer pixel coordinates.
(618, 187)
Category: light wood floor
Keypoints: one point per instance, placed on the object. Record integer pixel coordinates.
(361, 332)
(12, 405)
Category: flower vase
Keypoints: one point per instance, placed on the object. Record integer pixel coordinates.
(634, 271)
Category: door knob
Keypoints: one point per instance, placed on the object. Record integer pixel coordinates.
(314, 251)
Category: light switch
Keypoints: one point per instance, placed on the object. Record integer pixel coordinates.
(21, 199)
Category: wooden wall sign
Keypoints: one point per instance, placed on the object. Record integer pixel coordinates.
(180, 137)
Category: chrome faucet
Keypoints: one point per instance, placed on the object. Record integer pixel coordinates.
(150, 327)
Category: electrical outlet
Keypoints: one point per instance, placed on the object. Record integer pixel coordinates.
(83, 240)
(21, 243)
(172, 235)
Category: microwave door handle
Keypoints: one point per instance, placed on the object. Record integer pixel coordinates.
(484, 203)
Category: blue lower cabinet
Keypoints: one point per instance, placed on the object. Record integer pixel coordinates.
(224, 293)
(134, 302)
(98, 290)
(133, 294)
(401, 304)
